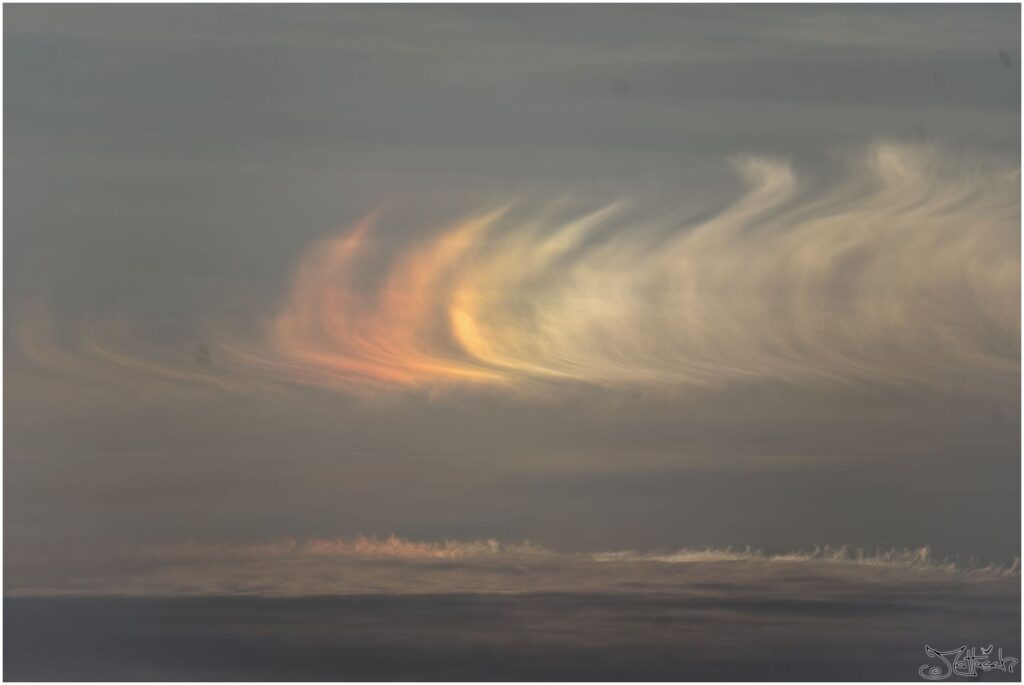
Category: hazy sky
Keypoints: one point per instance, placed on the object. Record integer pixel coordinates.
(600, 277)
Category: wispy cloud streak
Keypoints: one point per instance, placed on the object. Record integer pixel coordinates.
(903, 272)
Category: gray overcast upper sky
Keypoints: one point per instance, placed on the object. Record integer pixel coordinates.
(175, 174)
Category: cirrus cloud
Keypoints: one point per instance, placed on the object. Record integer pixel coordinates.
(904, 272)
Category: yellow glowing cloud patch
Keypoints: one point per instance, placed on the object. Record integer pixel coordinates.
(901, 273)
(889, 276)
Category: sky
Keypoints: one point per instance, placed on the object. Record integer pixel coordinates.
(598, 278)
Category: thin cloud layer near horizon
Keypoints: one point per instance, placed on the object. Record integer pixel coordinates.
(599, 278)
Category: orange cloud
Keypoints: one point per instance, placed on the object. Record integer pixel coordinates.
(906, 273)
(888, 277)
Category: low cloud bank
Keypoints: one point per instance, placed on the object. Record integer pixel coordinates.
(393, 565)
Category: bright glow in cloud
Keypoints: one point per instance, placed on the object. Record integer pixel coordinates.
(906, 269)
(904, 272)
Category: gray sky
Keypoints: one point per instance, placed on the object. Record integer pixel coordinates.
(797, 323)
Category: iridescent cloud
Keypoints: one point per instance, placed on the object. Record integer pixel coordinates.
(904, 272)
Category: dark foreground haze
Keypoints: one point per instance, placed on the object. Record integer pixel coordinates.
(462, 612)
(560, 636)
